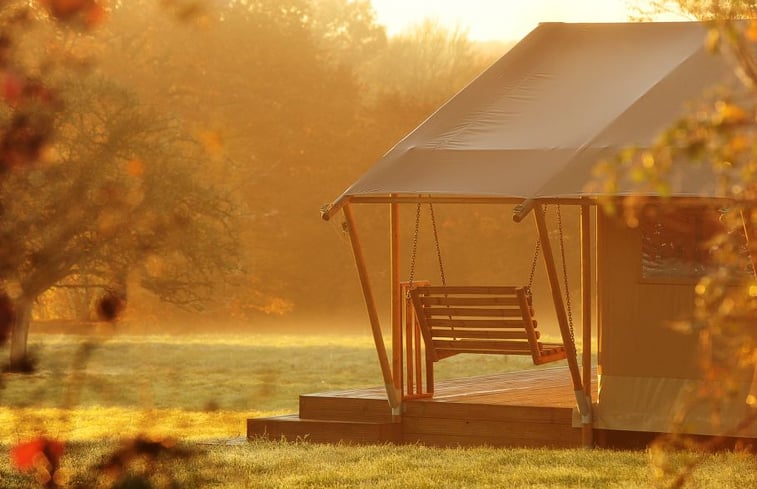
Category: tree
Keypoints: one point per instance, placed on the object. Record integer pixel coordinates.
(295, 96)
(347, 31)
(118, 196)
(696, 9)
(90, 184)
(428, 63)
(285, 115)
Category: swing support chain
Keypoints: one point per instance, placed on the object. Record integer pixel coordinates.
(568, 307)
(414, 252)
(415, 248)
(436, 242)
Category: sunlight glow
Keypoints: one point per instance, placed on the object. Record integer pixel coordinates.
(501, 20)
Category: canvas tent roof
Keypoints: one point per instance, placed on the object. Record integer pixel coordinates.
(536, 122)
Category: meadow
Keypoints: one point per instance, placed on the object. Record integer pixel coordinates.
(93, 391)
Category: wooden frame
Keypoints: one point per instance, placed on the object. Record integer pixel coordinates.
(370, 304)
(554, 284)
(393, 374)
(587, 431)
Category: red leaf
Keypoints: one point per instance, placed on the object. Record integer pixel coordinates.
(26, 456)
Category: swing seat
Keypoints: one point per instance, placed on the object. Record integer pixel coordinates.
(476, 319)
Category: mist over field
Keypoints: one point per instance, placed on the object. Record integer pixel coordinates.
(294, 105)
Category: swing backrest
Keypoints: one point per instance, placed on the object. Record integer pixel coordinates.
(480, 319)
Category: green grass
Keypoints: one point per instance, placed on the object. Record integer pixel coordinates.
(232, 372)
(198, 388)
(297, 465)
(192, 386)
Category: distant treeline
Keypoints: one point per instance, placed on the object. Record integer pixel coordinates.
(294, 99)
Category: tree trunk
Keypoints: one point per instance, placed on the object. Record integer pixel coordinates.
(19, 361)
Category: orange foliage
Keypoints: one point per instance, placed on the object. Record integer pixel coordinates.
(88, 12)
(135, 167)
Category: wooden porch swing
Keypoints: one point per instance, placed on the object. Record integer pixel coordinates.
(477, 319)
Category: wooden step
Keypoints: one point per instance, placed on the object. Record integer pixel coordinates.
(294, 428)
(521, 409)
(489, 432)
(481, 411)
(462, 424)
(329, 407)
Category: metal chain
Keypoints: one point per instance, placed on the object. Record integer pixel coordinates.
(565, 276)
(436, 242)
(439, 259)
(415, 247)
(533, 264)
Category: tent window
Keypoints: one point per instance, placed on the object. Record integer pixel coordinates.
(677, 243)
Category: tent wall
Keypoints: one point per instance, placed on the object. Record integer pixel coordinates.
(647, 370)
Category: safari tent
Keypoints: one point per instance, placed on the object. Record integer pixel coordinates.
(525, 134)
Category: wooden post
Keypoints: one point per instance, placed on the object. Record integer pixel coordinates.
(562, 317)
(587, 421)
(410, 353)
(396, 292)
(370, 304)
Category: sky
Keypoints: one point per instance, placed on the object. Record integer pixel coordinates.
(502, 20)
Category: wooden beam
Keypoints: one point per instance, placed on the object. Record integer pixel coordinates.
(484, 199)
(521, 210)
(396, 294)
(329, 210)
(587, 428)
(562, 317)
(435, 199)
(370, 304)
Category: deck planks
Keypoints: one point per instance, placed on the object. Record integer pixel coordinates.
(525, 408)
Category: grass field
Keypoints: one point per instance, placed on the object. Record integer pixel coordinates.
(199, 389)
(206, 385)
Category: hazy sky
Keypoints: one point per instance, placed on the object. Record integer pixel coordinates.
(497, 19)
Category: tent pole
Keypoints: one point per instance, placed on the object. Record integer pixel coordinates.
(370, 304)
(396, 299)
(587, 421)
(562, 317)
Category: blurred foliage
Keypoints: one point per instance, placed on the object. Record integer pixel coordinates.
(718, 133)
(118, 192)
(100, 186)
(695, 9)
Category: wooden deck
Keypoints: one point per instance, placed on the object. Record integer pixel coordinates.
(530, 408)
